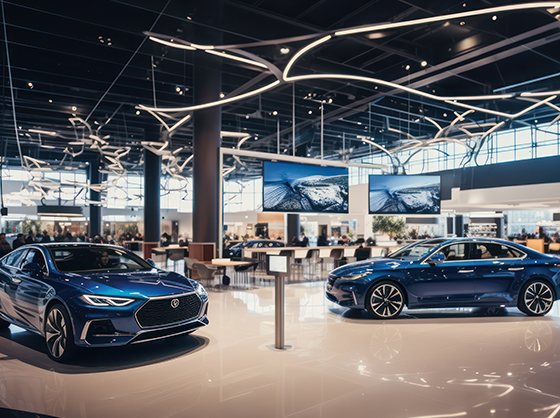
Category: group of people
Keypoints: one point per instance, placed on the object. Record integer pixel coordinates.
(31, 238)
(541, 234)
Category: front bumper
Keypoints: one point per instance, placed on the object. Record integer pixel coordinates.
(344, 294)
(109, 327)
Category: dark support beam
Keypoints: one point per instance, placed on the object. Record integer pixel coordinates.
(293, 228)
(95, 196)
(152, 187)
(207, 126)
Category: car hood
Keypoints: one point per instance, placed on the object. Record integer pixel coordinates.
(147, 284)
(371, 264)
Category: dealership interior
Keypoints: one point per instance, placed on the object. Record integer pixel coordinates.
(212, 136)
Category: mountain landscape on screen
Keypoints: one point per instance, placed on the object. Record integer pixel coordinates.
(301, 188)
(404, 194)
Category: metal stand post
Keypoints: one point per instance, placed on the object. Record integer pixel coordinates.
(279, 311)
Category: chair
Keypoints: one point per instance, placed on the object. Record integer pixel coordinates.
(205, 271)
(362, 253)
(176, 254)
(337, 255)
(536, 244)
(159, 255)
(189, 262)
(245, 270)
(554, 248)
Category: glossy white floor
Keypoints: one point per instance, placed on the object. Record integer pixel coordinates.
(340, 364)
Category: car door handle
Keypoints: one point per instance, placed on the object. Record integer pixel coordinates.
(515, 268)
(466, 271)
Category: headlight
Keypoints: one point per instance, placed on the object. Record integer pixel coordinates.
(105, 300)
(200, 291)
(354, 276)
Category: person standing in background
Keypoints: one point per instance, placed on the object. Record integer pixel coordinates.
(5, 247)
(30, 237)
(19, 241)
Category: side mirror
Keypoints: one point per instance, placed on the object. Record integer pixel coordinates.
(436, 258)
(150, 262)
(32, 269)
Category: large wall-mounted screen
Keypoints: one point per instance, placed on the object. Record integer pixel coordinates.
(404, 194)
(289, 187)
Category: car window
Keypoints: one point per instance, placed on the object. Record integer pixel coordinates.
(34, 256)
(454, 252)
(96, 259)
(260, 244)
(14, 258)
(488, 250)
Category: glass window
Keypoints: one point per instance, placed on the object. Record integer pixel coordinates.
(96, 259)
(487, 250)
(454, 252)
(14, 258)
(34, 256)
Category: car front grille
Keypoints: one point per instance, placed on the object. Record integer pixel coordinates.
(332, 278)
(157, 312)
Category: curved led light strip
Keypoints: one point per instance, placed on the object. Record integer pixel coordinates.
(285, 77)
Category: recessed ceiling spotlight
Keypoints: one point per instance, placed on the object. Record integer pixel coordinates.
(137, 112)
(445, 115)
(494, 17)
(464, 4)
(30, 84)
(407, 67)
(446, 24)
(74, 108)
(285, 50)
(178, 89)
(50, 100)
(189, 18)
(222, 95)
(359, 123)
(310, 112)
(462, 23)
(330, 100)
(246, 116)
(275, 112)
(424, 63)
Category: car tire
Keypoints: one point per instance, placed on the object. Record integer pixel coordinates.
(385, 300)
(4, 324)
(536, 298)
(59, 337)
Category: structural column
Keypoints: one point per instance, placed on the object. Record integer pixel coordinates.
(293, 228)
(207, 127)
(152, 187)
(94, 210)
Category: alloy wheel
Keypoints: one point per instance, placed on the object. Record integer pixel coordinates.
(386, 300)
(56, 333)
(538, 298)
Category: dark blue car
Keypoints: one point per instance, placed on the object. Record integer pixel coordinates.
(92, 295)
(440, 273)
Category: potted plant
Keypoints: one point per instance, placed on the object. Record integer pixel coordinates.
(392, 226)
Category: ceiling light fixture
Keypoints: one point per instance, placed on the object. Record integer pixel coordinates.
(30, 84)
(275, 112)
(168, 43)
(236, 58)
(40, 131)
(74, 108)
(494, 17)
(407, 67)
(50, 100)
(222, 95)
(424, 63)
(285, 50)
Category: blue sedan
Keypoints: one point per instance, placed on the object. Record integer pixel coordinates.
(90, 295)
(442, 273)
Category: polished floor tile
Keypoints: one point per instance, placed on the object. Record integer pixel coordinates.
(337, 363)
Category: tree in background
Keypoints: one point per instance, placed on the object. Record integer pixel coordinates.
(389, 225)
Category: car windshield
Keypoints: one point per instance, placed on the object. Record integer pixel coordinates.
(415, 250)
(96, 259)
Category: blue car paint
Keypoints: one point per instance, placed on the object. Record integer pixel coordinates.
(492, 282)
(67, 288)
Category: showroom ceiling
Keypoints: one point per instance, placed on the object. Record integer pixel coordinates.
(93, 61)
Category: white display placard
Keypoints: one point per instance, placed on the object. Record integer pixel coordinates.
(277, 264)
